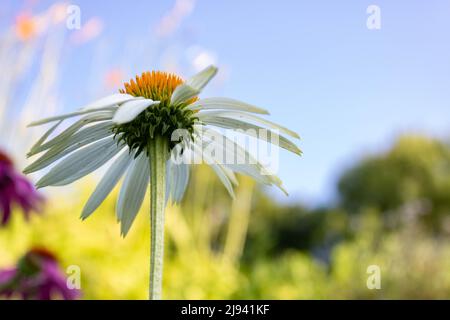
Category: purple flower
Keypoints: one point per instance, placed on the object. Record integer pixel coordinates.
(36, 276)
(15, 189)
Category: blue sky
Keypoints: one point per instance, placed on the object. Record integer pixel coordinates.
(346, 89)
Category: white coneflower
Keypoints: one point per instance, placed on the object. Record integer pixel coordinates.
(136, 128)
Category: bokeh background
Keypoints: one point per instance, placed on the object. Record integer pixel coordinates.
(372, 107)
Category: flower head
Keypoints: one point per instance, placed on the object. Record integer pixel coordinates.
(121, 126)
(36, 276)
(15, 189)
(161, 120)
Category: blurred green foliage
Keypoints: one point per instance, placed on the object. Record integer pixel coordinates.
(392, 211)
(415, 169)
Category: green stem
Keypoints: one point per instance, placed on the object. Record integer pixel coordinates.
(158, 152)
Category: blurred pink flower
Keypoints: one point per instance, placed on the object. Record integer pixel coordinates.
(36, 276)
(15, 189)
(173, 19)
(89, 30)
(113, 78)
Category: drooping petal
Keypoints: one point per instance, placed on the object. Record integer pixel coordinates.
(242, 161)
(131, 109)
(80, 163)
(231, 176)
(45, 136)
(178, 178)
(217, 168)
(193, 86)
(70, 115)
(132, 192)
(78, 140)
(235, 124)
(225, 104)
(201, 79)
(100, 116)
(182, 93)
(169, 180)
(107, 183)
(244, 117)
(182, 182)
(111, 100)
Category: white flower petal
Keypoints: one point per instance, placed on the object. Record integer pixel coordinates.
(79, 139)
(201, 79)
(254, 171)
(245, 162)
(243, 117)
(231, 176)
(70, 115)
(226, 104)
(182, 182)
(107, 103)
(193, 86)
(128, 111)
(182, 93)
(132, 192)
(169, 183)
(80, 163)
(217, 168)
(234, 123)
(110, 100)
(101, 116)
(43, 138)
(107, 183)
(179, 178)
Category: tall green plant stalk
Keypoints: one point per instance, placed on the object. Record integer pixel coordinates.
(158, 153)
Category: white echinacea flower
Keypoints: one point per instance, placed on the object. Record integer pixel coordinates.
(135, 128)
